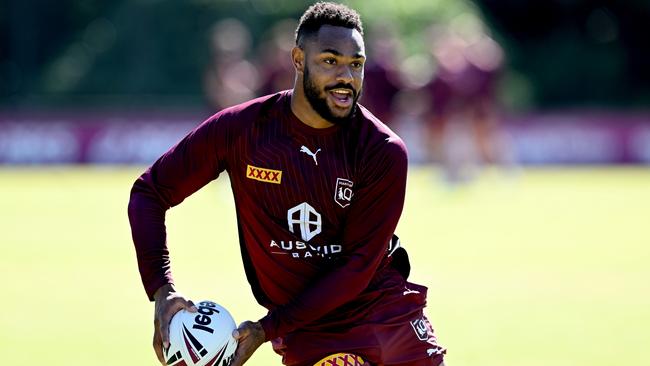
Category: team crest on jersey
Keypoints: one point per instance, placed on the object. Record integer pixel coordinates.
(421, 328)
(264, 175)
(343, 192)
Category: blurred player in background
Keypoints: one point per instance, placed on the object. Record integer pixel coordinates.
(230, 78)
(274, 63)
(381, 73)
(319, 186)
(465, 124)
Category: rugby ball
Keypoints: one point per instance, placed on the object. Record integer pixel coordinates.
(203, 338)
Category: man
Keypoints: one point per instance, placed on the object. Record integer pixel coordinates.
(319, 187)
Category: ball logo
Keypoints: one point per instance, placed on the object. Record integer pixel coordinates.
(201, 321)
(306, 218)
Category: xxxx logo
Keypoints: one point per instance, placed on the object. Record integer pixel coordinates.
(264, 175)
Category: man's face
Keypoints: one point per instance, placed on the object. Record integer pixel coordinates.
(333, 72)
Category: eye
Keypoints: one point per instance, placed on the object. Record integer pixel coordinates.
(357, 64)
(330, 61)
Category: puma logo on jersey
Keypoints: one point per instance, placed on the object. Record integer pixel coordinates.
(306, 150)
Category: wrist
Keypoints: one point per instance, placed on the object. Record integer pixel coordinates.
(163, 291)
(267, 327)
(259, 328)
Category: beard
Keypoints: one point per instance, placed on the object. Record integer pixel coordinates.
(319, 103)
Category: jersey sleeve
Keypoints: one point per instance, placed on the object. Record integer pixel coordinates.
(374, 213)
(192, 163)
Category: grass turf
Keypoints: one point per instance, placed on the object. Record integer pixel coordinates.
(546, 267)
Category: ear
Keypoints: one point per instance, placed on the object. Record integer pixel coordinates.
(298, 58)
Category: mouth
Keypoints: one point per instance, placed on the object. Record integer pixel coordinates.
(341, 97)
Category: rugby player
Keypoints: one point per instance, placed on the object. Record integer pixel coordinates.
(319, 186)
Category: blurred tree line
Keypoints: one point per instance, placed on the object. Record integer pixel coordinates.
(91, 52)
(577, 52)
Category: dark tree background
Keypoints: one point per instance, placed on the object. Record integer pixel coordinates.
(572, 52)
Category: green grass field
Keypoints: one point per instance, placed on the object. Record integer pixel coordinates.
(549, 267)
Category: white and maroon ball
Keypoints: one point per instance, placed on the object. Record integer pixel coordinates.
(203, 338)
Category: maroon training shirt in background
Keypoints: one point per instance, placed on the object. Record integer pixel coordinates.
(316, 209)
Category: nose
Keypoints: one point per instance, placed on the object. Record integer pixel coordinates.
(344, 74)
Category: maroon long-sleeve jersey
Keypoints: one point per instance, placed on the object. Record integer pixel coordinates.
(316, 209)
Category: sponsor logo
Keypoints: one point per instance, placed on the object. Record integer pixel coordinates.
(306, 218)
(305, 221)
(306, 150)
(263, 175)
(343, 192)
(299, 249)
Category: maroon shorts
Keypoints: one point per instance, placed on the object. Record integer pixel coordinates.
(405, 339)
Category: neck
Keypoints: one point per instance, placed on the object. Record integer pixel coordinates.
(301, 107)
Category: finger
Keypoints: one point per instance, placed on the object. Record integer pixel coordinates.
(241, 356)
(164, 331)
(241, 332)
(238, 360)
(165, 319)
(157, 346)
(241, 347)
(189, 306)
(236, 334)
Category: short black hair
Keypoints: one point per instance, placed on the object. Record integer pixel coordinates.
(326, 13)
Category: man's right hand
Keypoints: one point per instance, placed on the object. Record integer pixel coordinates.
(168, 303)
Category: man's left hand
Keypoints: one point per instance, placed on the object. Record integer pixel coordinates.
(249, 337)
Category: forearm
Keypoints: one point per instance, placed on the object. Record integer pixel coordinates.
(147, 219)
(163, 291)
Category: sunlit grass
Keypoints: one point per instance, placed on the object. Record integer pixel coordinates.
(545, 267)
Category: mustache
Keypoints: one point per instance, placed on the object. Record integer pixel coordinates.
(342, 86)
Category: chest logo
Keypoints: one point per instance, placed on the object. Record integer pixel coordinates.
(306, 150)
(343, 192)
(307, 219)
(264, 175)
